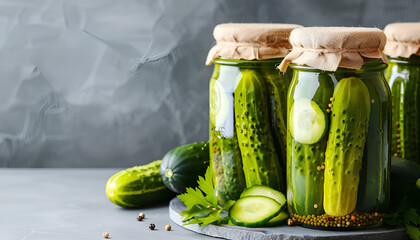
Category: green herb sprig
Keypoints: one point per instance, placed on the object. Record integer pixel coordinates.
(201, 202)
(408, 213)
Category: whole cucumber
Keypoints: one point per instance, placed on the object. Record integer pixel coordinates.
(305, 179)
(343, 158)
(138, 186)
(260, 161)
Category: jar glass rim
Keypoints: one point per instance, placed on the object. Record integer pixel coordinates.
(413, 59)
(243, 62)
(373, 66)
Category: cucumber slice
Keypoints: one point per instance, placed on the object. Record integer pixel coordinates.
(219, 104)
(253, 211)
(280, 219)
(259, 190)
(307, 121)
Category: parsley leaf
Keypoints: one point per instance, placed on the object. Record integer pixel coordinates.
(201, 202)
(206, 185)
(407, 214)
(410, 215)
(413, 231)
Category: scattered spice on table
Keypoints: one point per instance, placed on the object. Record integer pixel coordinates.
(152, 226)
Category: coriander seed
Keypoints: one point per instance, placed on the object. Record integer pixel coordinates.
(142, 215)
(168, 227)
(105, 235)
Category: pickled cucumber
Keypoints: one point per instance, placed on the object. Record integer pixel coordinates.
(260, 161)
(306, 161)
(277, 86)
(225, 156)
(346, 141)
(374, 185)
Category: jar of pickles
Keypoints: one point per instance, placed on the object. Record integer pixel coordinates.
(248, 107)
(403, 75)
(338, 128)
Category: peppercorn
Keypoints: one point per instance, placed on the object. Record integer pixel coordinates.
(142, 215)
(152, 226)
(168, 227)
(139, 218)
(105, 235)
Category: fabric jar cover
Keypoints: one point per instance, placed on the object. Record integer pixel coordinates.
(328, 48)
(403, 39)
(251, 41)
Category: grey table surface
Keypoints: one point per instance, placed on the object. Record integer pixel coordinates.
(64, 204)
(71, 204)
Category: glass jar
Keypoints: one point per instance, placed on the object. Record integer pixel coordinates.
(338, 160)
(247, 125)
(403, 75)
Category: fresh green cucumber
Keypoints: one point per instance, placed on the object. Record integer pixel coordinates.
(182, 165)
(346, 141)
(259, 190)
(280, 219)
(307, 121)
(253, 211)
(139, 186)
(260, 161)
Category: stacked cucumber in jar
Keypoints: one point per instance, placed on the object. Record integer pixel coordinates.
(403, 75)
(339, 111)
(248, 107)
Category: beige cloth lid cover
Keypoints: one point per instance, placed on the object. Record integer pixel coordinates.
(403, 39)
(328, 48)
(250, 41)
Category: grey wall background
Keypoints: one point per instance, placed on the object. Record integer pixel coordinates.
(101, 83)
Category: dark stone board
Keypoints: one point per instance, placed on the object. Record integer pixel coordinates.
(283, 232)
